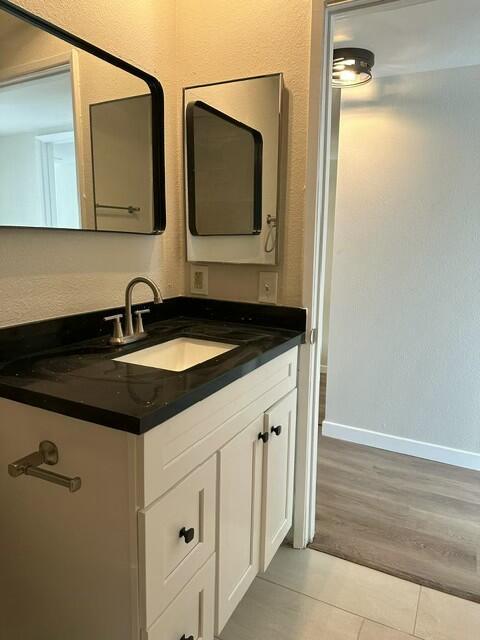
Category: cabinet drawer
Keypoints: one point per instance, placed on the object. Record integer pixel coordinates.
(191, 613)
(176, 537)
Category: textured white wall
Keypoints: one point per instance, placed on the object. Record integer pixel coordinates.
(404, 352)
(50, 273)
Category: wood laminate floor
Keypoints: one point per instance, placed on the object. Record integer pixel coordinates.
(412, 518)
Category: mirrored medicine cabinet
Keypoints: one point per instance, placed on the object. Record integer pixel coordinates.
(81, 133)
(232, 149)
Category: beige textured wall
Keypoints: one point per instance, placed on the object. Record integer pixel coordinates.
(51, 273)
(219, 40)
(182, 42)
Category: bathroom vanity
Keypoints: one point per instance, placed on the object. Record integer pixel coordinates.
(186, 476)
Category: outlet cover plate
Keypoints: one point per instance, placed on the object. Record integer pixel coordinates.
(199, 279)
(268, 287)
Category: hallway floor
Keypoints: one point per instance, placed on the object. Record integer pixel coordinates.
(307, 595)
(413, 518)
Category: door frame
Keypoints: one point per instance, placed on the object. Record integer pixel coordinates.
(316, 223)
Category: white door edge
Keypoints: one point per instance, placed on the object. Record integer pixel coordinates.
(315, 227)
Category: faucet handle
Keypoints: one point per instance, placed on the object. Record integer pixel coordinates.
(117, 328)
(139, 321)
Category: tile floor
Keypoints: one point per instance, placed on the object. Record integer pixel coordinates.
(308, 595)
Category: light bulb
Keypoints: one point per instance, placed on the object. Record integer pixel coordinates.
(348, 76)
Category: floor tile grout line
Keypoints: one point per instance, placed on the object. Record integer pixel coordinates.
(334, 606)
(360, 630)
(414, 632)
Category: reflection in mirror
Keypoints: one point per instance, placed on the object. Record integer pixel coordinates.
(122, 162)
(38, 173)
(232, 149)
(224, 173)
(75, 137)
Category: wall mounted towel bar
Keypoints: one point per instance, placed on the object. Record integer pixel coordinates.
(130, 208)
(47, 454)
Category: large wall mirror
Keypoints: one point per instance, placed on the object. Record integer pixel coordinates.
(81, 133)
(232, 146)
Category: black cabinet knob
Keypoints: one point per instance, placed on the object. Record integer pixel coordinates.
(184, 637)
(264, 436)
(277, 430)
(189, 535)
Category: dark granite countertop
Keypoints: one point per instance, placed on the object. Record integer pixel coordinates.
(77, 376)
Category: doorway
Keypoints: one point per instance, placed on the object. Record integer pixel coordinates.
(38, 137)
(398, 474)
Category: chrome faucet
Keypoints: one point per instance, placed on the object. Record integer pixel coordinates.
(131, 334)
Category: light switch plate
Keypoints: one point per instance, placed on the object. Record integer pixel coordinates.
(268, 287)
(199, 279)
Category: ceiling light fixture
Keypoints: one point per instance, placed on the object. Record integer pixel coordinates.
(352, 67)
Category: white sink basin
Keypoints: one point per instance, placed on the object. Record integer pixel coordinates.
(178, 354)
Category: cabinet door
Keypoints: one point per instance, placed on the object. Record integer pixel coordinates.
(239, 515)
(278, 466)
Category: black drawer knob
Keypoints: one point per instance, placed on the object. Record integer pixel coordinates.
(189, 535)
(277, 430)
(184, 637)
(264, 436)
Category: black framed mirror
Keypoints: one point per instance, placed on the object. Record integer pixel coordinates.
(233, 132)
(81, 133)
(224, 173)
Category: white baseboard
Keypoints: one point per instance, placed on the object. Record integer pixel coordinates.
(435, 452)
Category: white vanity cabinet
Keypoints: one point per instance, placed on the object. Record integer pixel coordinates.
(169, 528)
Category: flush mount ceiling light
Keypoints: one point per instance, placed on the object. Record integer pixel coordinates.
(352, 67)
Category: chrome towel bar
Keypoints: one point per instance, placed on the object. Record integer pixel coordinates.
(47, 454)
(130, 208)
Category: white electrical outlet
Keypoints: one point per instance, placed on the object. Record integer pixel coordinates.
(199, 279)
(268, 286)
